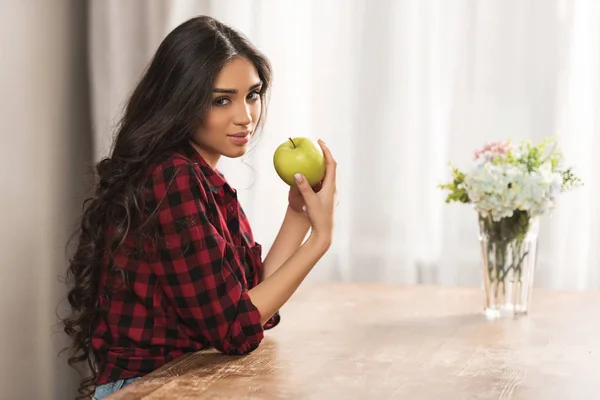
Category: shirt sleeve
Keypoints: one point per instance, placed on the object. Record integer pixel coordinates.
(196, 266)
(256, 252)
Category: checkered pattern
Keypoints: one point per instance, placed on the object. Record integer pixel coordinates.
(189, 291)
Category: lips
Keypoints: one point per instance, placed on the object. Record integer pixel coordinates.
(240, 134)
(240, 138)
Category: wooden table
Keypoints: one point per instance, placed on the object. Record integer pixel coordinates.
(346, 341)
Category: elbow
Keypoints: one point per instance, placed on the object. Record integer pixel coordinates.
(242, 338)
(242, 335)
(237, 349)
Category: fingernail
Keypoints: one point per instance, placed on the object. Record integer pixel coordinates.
(322, 141)
(298, 178)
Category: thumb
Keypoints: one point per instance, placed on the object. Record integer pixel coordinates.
(305, 190)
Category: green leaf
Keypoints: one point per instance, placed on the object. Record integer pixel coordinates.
(458, 192)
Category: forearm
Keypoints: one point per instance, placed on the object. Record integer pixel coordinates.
(269, 295)
(291, 234)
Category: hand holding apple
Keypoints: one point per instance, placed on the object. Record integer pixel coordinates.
(320, 206)
(299, 155)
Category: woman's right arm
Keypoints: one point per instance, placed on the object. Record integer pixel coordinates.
(272, 293)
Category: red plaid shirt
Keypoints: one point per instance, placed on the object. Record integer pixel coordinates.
(193, 292)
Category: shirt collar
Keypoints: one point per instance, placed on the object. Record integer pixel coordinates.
(216, 180)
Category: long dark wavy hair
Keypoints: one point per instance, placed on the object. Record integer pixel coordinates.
(166, 107)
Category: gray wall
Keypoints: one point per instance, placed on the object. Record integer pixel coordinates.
(45, 148)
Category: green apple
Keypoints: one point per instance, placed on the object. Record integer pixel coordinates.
(299, 155)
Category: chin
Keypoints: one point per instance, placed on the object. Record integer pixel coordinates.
(235, 152)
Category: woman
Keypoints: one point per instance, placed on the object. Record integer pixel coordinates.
(166, 261)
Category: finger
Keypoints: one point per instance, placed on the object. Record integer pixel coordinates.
(331, 165)
(306, 191)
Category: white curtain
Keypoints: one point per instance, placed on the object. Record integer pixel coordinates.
(397, 89)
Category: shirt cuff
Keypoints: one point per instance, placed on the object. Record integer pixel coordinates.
(273, 321)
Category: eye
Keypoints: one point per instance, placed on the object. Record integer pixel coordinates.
(221, 101)
(255, 95)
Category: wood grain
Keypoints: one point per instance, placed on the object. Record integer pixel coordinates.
(349, 341)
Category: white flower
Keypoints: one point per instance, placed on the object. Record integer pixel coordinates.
(499, 190)
(504, 179)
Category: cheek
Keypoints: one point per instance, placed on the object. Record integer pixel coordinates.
(255, 110)
(215, 121)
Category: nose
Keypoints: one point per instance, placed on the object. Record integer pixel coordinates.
(243, 116)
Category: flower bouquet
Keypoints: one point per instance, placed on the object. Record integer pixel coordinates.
(510, 188)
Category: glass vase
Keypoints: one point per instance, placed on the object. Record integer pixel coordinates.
(509, 252)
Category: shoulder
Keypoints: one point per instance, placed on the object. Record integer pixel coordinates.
(174, 172)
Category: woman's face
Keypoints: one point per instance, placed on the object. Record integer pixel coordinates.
(234, 113)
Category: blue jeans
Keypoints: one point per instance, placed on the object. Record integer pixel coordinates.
(103, 391)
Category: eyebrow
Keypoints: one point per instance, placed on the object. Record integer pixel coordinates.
(234, 91)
